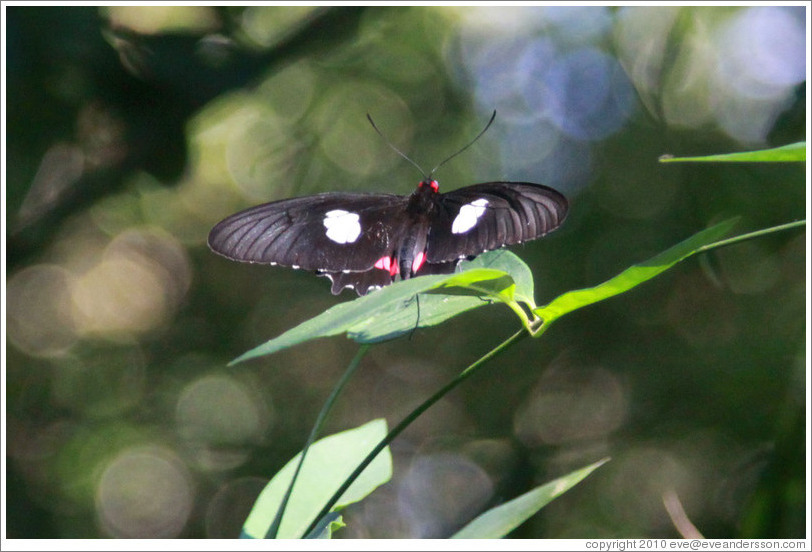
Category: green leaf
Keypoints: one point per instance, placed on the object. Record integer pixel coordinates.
(502, 260)
(788, 153)
(328, 463)
(501, 520)
(393, 310)
(632, 276)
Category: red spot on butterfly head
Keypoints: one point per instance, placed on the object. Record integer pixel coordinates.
(435, 187)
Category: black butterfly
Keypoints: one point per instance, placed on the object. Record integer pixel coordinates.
(365, 241)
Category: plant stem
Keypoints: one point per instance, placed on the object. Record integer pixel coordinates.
(751, 235)
(328, 405)
(462, 376)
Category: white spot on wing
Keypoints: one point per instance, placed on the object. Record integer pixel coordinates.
(342, 226)
(468, 216)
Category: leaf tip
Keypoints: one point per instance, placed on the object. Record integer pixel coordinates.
(236, 361)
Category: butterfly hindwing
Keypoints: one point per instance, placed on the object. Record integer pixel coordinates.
(487, 216)
(329, 233)
(361, 282)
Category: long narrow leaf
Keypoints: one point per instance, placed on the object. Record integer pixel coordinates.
(497, 522)
(789, 153)
(634, 275)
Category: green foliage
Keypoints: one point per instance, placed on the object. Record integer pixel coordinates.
(326, 526)
(783, 154)
(496, 276)
(497, 522)
(328, 463)
(393, 310)
(634, 275)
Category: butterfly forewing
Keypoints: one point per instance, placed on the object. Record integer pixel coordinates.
(487, 216)
(329, 233)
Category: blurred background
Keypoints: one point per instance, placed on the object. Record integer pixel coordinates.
(132, 130)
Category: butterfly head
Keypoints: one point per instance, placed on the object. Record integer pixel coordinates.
(429, 184)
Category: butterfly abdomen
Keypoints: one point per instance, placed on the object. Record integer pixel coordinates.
(412, 250)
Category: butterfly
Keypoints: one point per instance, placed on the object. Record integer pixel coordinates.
(365, 241)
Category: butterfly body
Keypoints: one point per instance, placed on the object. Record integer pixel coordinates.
(366, 241)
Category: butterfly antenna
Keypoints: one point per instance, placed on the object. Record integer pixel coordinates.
(471, 143)
(391, 145)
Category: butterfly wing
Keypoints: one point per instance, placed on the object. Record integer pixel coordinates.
(483, 217)
(361, 282)
(328, 233)
(354, 239)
